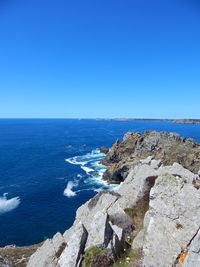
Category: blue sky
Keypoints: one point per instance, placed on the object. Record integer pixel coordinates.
(105, 58)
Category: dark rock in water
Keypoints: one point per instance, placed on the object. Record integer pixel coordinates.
(104, 150)
(168, 147)
(84, 146)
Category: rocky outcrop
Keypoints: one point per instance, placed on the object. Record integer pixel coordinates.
(193, 256)
(49, 253)
(158, 207)
(74, 249)
(154, 213)
(104, 150)
(163, 146)
(171, 221)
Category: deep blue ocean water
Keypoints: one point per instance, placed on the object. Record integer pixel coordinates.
(47, 167)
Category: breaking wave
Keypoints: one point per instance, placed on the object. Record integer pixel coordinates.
(92, 180)
(68, 190)
(7, 205)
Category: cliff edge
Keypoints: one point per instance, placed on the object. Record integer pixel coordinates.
(151, 220)
(165, 146)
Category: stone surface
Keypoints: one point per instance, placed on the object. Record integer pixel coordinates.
(158, 202)
(46, 254)
(104, 150)
(193, 256)
(71, 255)
(100, 231)
(164, 146)
(171, 221)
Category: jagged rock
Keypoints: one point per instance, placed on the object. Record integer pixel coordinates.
(104, 150)
(71, 255)
(193, 256)
(171, 221)
(163, 146)
(156, 163)
(155, 188)
(147, 160)
(117, 242)
(46, 255)
(100, 231)
(173, 202)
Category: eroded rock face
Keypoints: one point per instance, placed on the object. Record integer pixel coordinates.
(164, 146)
(193, 256)
(75, 247)
(171, 221)
(157, 205)
(46, 255)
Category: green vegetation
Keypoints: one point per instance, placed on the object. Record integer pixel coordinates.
(130, 258)
(96, 257)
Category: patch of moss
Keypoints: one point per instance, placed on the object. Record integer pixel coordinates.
(131, 258)
(97, 257)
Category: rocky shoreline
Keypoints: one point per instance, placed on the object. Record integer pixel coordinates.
(164, 146)
(153, 219)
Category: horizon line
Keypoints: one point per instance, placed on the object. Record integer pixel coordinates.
(96, 118)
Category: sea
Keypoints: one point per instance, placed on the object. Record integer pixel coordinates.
(49, 167)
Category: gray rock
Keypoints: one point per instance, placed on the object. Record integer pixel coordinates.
(193, 256)
(155, 163)
(46, 254)
(71, 255)
(137, 148)
(172, 220)
(100, 231)
(117, 242)
(146, 160)
(104, 150)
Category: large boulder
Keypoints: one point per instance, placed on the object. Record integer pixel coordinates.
(171, 221)
(104, 149)
(100, 231)
(71, 256)
(49, 253)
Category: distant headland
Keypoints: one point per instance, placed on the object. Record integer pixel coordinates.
(184, 121)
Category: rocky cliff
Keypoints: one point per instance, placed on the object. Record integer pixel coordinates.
(153, 219)
(164, 146)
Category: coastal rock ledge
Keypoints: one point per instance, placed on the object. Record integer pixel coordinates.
(153, 219)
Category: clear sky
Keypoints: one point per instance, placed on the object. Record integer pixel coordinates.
(100, 58)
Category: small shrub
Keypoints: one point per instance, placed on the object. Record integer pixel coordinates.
(96, 257)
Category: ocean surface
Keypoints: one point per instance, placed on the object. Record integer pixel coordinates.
(49, 167)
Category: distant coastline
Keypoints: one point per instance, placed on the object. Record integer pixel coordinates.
(183, 121)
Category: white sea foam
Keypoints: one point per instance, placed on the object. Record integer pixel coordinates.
(87, 169)
(8, 204)
(90, 162)
(68, 190)
(75, 161)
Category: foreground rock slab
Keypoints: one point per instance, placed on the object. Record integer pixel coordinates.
(171, 221)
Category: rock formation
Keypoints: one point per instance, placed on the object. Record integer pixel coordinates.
(164, 146)
(155, 211)
(153, 219)
(104, 150)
